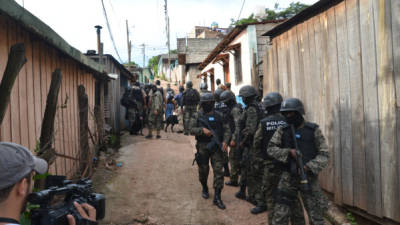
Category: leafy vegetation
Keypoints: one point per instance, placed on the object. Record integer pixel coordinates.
(273, 14)
(153, 64)
(351, 218)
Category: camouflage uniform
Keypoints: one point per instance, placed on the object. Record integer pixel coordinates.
(235, 152)
(250, 118)
(188, 111)
(270, 175)
(215, 158)
(155, 121)
(314, 201)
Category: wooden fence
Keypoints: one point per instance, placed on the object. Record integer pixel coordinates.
(344, 63)
(23, 119)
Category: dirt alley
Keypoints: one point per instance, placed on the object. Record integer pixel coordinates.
(157, 180)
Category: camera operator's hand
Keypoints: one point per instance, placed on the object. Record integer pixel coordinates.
(87, 212)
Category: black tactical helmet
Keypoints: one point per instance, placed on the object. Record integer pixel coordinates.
(271, 99)
(292, 104)
(203, 86)
(247, 91)
(227, 96)
(206, 97)
(189, 84)
(158, 82)
(217, 94)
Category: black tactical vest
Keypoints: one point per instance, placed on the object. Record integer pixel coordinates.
(305, 140)
(269, 125)
(215, 121)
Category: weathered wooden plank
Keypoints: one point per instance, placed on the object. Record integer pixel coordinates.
(75, 113)
(64, 114)
(318, 99)
(5, 127)
(326, 101)
(59, 64)
(37, 88)
(14, 101)
(357, 106)
(22, 95)
(396, 67)
(305, 42)
(282, 68)
(267, 81)
(275, 72)
(301, 52)
(286, 46)
(334, 123)
(345, 105)
(314, 73)
(371, 114)
(295, 68)
(30, 92)
(387, 108)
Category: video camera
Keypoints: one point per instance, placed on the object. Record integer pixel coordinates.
(52, 211)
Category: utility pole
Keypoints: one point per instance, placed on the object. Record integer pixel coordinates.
(168, 39)
(128, 42)
(144, 54)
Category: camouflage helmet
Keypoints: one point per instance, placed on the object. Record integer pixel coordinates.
(227, 96)
(189, 84)
(272, 99)
(206, 97)
(217, 94)
(247, 91)
(203, 86)
(292, 104)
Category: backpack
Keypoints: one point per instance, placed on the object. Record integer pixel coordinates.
(126, 100)
(191, 97)
(137, 95)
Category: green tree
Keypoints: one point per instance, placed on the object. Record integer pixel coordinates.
(274, 14)
(153, 64)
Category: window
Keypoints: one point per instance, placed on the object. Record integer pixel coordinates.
(238, 65)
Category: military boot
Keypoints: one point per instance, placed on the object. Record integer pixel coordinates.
(217, 199)
(232, 183)
(226, 170)
(204, 192)
(242, 192)
(258, 209)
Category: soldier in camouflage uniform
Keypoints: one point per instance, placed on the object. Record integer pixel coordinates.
(155, 112)
(190, 100)
(223, 109)
(233, 116)
(270, 170)
(201, 124)
(250, 119)
(315, 154)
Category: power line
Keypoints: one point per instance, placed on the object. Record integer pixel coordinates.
(240, 13)
(109, 31)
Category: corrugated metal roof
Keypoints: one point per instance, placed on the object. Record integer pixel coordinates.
(304, 15)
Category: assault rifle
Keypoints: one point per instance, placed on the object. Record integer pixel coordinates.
(298, 165)
(214, 140)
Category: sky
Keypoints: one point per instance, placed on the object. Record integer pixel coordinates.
(74, 20)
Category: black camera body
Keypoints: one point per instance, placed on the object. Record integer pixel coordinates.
(51, 213)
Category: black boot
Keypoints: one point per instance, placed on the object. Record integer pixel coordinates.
(258, 209)
(205, 193)
(226, 170)
(232, 183)
(242, 192)
(217, 199)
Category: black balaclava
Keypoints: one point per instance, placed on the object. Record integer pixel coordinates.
(248, 100)
(207, 106)
(297, 119)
